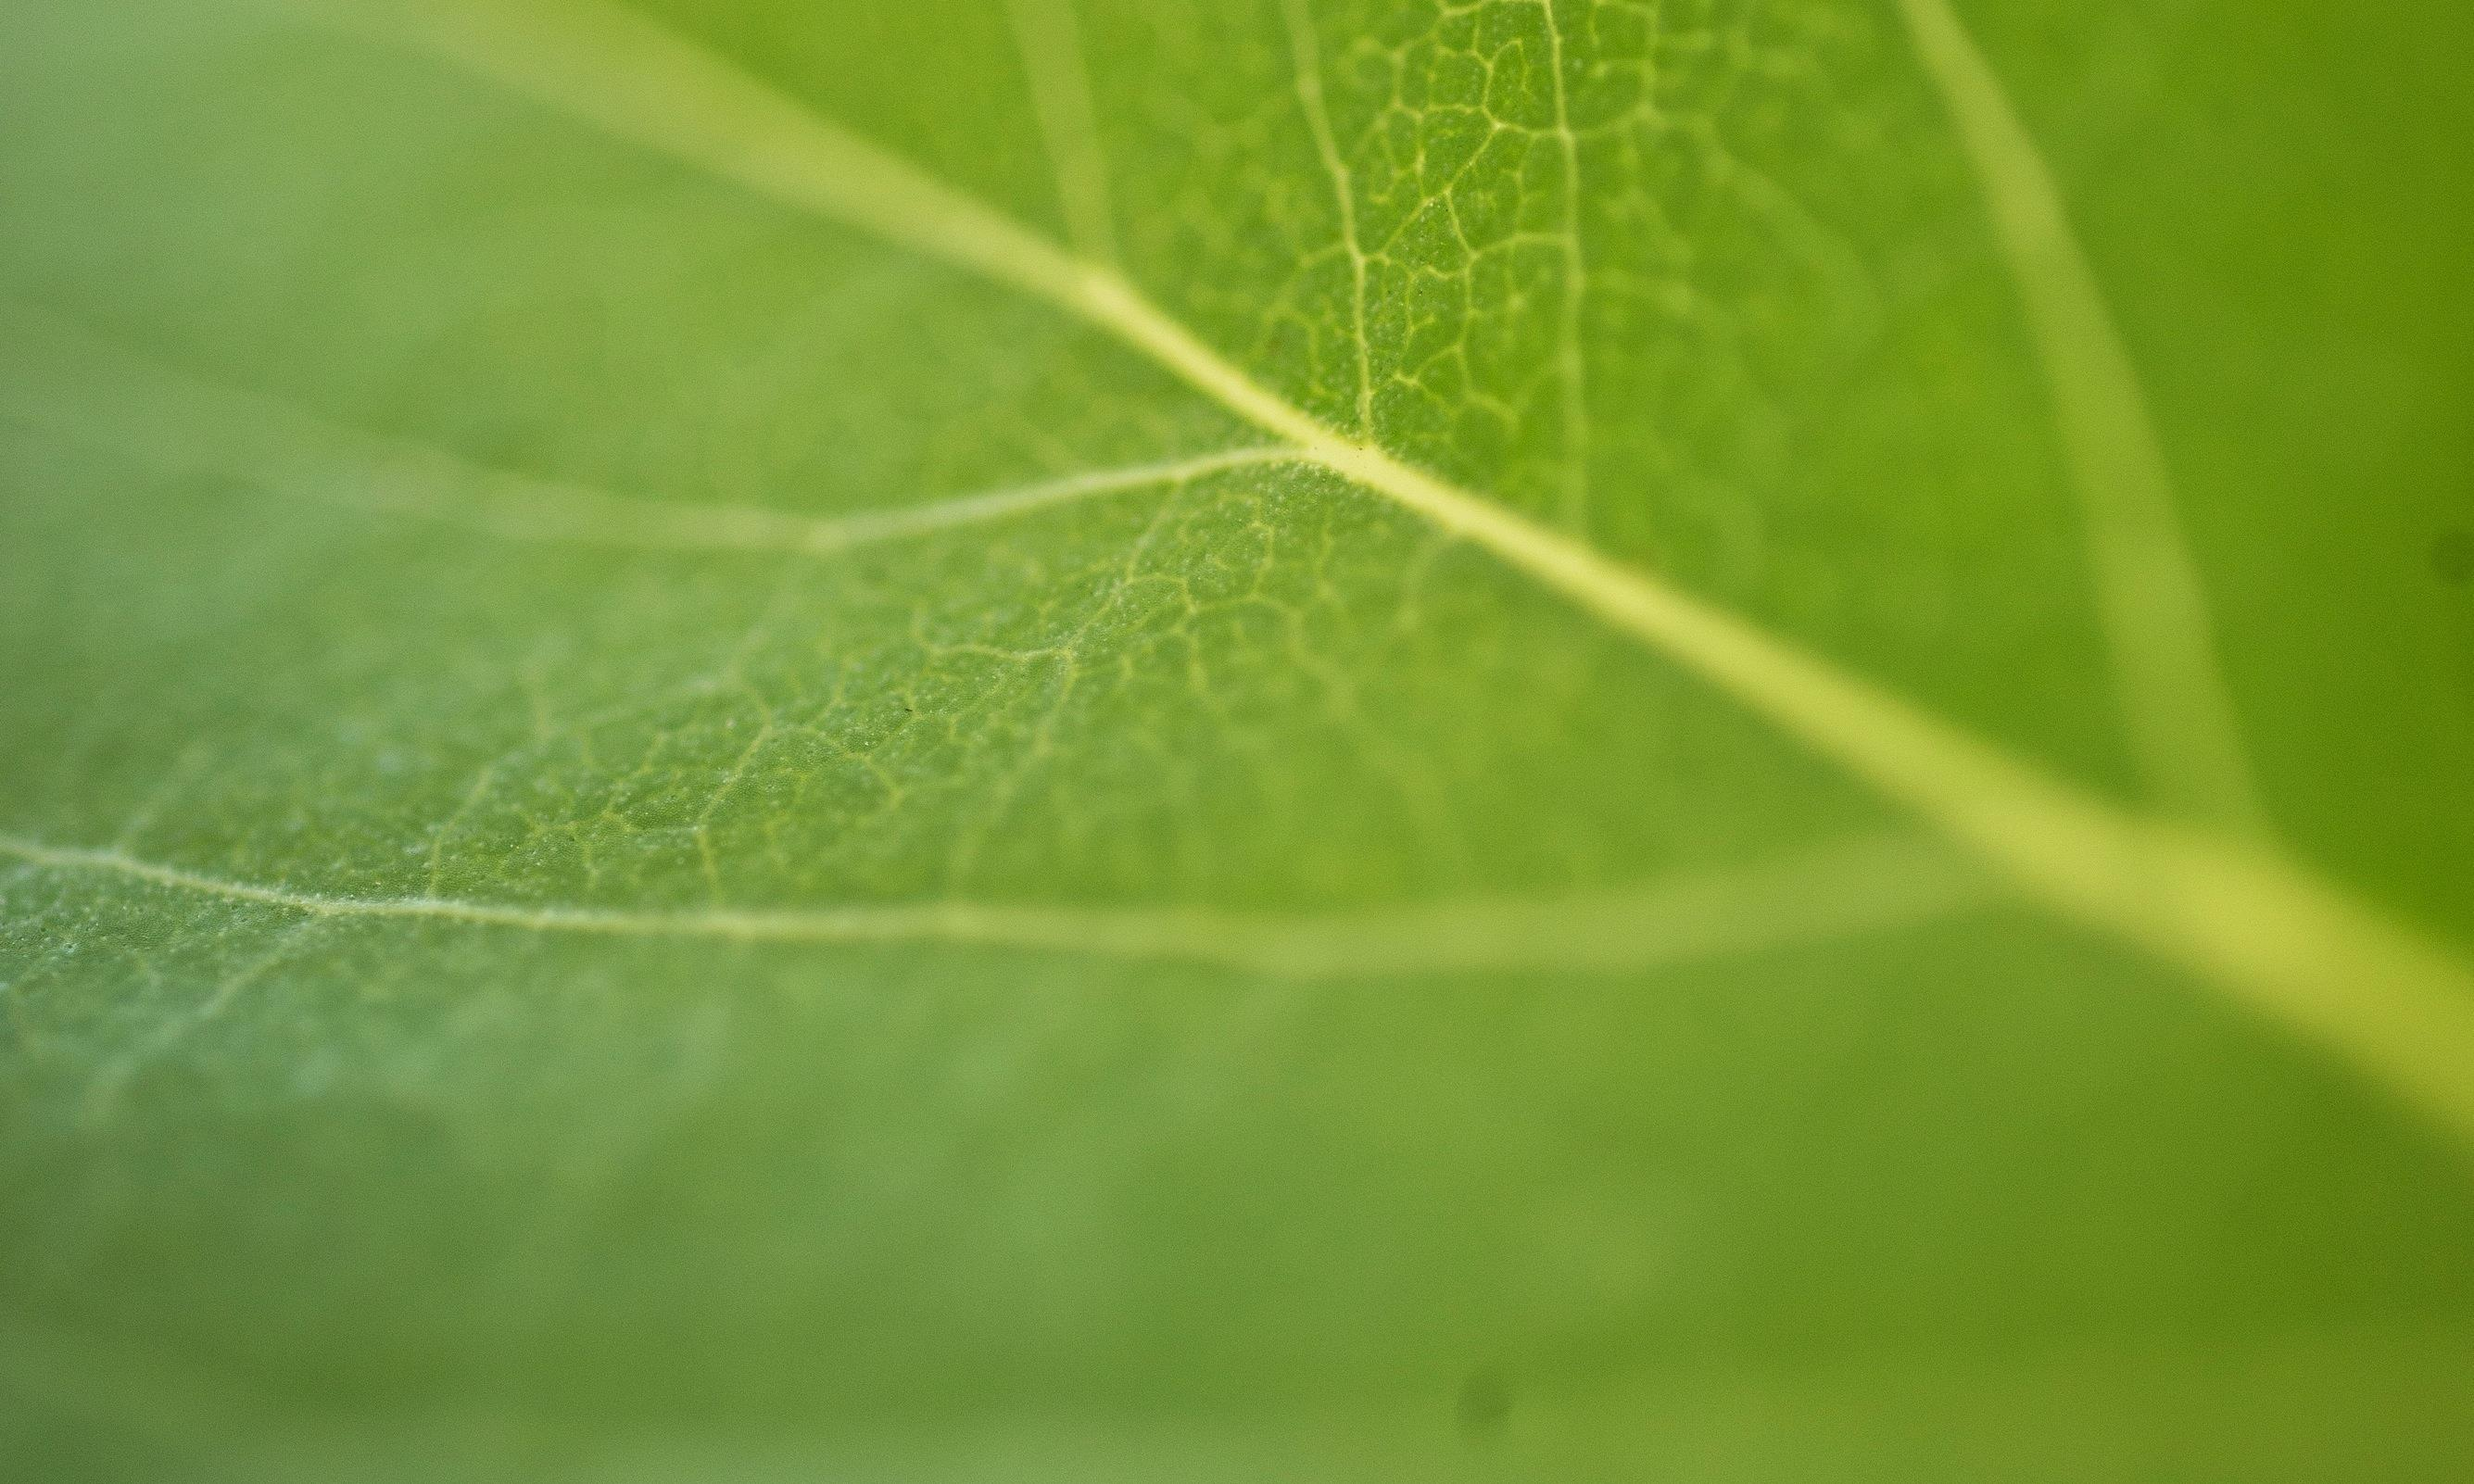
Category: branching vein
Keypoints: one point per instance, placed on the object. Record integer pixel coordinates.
(82, 384)
(2278, 940)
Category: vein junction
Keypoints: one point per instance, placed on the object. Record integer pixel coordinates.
(2272, 936)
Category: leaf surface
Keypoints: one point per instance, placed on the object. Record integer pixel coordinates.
(1543, 739)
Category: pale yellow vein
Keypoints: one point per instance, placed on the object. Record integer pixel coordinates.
(2276, 937)
(2184, 725)
(1853, 887)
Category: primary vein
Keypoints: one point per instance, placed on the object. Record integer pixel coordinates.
(2276, 937)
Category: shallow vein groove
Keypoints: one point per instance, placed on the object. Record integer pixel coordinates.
(86, 387)
(1849, 889)
(2277, 940)
(2184, 729)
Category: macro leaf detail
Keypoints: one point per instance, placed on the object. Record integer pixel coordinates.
(1148, 733)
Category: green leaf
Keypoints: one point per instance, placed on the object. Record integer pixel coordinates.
(1310, 738)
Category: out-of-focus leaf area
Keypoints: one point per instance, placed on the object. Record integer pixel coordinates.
(747, 741)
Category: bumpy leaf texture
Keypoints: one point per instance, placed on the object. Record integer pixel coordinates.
(1344, 739)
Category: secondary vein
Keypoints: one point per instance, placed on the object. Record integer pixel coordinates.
(1306, 60)
(1061, 90)
(2184, 728)
(62, 376)
(1851, 887)
(1571, 360)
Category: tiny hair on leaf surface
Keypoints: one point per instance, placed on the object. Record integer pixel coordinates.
(1115, 739)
